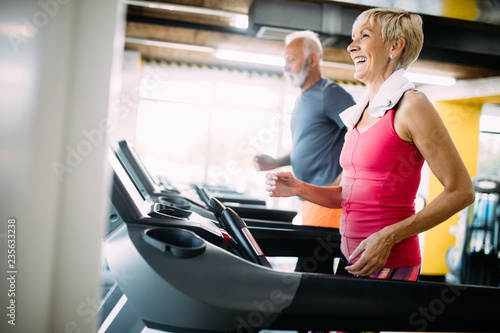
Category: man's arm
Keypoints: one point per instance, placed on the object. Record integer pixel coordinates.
(266, 162)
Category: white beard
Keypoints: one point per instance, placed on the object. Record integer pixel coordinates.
(297, 79)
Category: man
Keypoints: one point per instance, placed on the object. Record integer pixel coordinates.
(317, 130)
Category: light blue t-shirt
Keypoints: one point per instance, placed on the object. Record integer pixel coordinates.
(318, 132)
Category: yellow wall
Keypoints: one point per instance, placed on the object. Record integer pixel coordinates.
(461, 118)
(465, 9)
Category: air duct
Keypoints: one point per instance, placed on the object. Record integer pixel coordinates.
(274, 19)
(445, 40)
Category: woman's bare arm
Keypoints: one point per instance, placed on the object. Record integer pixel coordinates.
(284, 184)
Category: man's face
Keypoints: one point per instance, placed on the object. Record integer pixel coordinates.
(296, 68)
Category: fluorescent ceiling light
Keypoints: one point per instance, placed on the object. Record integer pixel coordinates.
(272, 60)
(333, 64)
(415, 77)
(490, 118)
(256, 58)
(488, 123)
(178, 46)
(235, 19)
(239, 21)
(431, 79)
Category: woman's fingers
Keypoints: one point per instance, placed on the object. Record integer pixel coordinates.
(279, 184)
(271, 176)
(271, 183)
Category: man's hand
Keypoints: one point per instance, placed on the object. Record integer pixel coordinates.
(265, 162)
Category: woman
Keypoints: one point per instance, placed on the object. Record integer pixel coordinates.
(391, 130)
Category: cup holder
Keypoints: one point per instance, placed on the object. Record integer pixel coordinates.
(177, 202)
(161, 210)
(178, 242)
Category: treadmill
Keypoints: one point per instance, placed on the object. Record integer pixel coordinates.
(188, 273)
(246, 207)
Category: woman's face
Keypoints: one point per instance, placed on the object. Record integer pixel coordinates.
(369, 54)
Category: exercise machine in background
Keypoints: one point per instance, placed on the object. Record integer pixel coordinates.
(475, 259)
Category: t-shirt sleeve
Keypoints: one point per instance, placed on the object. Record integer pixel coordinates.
(337, 99)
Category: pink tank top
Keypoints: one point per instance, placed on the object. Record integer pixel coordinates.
(381, 175)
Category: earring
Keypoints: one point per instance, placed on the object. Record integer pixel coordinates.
(391, 56)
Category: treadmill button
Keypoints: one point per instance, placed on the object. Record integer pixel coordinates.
(225, 236)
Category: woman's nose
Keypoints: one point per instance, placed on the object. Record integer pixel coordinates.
(351, 47)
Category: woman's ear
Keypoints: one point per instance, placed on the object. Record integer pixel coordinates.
(397, 46)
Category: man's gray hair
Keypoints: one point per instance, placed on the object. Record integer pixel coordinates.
(311, 42)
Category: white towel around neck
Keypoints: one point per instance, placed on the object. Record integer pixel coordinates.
(388, 95)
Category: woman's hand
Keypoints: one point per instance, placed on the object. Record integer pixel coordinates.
(373, 253)
(282, 184)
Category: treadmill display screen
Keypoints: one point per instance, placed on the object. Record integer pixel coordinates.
(132, 190)
(153, 180)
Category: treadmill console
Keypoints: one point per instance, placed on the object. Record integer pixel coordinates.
(136, 208)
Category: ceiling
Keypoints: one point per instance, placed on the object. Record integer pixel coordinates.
(460, 41)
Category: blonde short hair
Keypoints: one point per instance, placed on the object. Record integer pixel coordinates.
(394, 23)
(311, 42)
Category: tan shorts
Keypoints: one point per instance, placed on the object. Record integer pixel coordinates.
(319, 216)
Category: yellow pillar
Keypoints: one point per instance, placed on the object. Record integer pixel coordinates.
(461, 118)
(464, 9)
